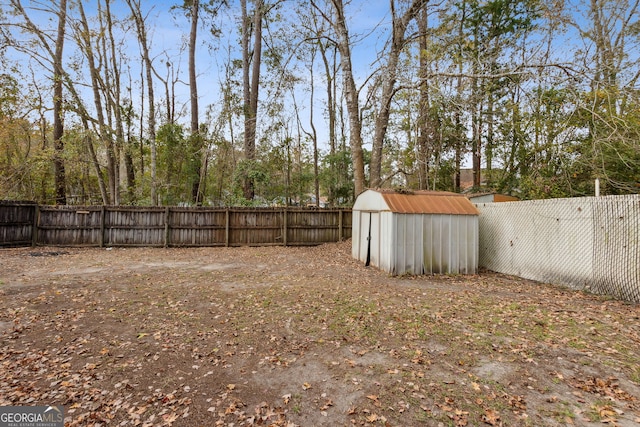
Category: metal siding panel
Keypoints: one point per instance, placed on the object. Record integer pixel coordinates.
(445, 241)
(386, 241)
(398, 244)
(465, 253)
(456, 249)
(364, 233)
(464, 250)
(403, 260)
(436, 244)
(416, 235)
(483, 198)
(393, 239)
(400, 232)
(466, 264)
(375, 239)
(476, 244)
(391, 231)
(408, 244)
(473, 256)
(426, 244)
(430, 247)
(355, 234)
(410, 265)
(381, 239)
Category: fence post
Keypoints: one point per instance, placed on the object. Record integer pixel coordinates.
(226, 228)
(285, 226)
(340, 212)
(166, 227)
(34, 228)
(102, 216)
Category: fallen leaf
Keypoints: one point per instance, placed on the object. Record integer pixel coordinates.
(327, 405)
(491, 417)
(170, 418)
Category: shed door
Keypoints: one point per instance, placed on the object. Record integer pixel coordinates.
(370, 238)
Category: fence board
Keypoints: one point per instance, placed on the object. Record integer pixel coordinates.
(16, 223)
(169, 226)
(69, 226)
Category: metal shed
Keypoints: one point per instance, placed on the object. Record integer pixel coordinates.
(418, 232)
(490, 198)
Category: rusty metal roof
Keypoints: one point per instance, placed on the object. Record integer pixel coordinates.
(428, 202)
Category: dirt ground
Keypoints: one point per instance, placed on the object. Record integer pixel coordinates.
(305, 337)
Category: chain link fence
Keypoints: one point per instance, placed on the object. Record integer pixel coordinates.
(588, 243)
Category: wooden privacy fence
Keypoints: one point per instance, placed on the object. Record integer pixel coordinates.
(30, 224)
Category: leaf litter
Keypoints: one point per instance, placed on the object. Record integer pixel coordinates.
(287, 336)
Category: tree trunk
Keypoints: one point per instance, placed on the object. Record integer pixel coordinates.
(251, 78)
(459, 144)
(423, 106)
(196, 154)
(58, 113)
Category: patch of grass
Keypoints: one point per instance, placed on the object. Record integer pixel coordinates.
(577, 344)
(563, 413)
(296, 404)
(357, 318)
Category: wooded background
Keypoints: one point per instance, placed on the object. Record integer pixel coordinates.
(262, 102)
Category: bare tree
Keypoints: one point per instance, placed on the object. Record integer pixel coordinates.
(113, 91)
(85, 42)
(611, 27)
(53, 57)
(136, 12)
(343, 42)
(388, 75)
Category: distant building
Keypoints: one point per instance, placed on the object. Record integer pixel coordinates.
(490, 197)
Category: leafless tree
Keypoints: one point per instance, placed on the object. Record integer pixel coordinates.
(136, 12)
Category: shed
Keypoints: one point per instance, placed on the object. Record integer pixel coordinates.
(491, 198)
(419, 232)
